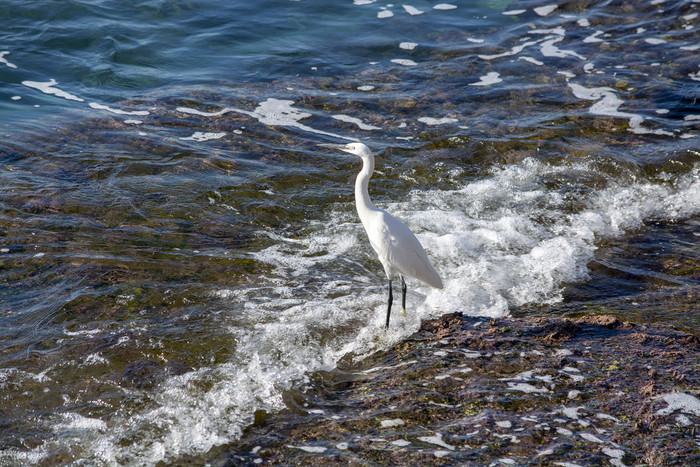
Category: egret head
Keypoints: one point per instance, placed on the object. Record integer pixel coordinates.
(359, 149)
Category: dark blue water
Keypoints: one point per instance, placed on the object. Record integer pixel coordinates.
(177, 250)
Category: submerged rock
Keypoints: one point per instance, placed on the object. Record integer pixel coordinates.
(507, 391)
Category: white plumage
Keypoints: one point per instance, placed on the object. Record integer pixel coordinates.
(398, 249)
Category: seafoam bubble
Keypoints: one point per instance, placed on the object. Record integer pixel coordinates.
(526, 388)
(48, 87)
(4, 61)
(412, 10)
(545, 10)
(444, 6)
(201, 136)
(437, 440)
(531, 60)
(513, 51)
(361, 125)
(608, 104)
(404, 61)
(548, 49)
(141, 113)
(559, 31)
(594, 37)
(408, 45)
(490, 78)
(273, 112)
(392, 423)
(437, 121)
(681, 401)
(313, 449)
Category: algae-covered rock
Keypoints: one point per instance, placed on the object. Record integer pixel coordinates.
(535, 391)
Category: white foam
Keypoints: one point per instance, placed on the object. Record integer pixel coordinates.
(404, 61)
(16, 98)
(531, 60)
(513, 51)
(401, 443)
(694, 76)
(385, 14)
(49, 88)
(591, 437)
(604, 416)
(361, 125)
(608, 104)
(513, 12)
(614, 453)
(559, 31)
(392, 423)
(583, 22)
(412, 10)
(141, 113)
(94, 359)
(526, 388)
(313, 449)
(200, 136)
(490, 78)
(572, 412)
(446, 6)
(408, 45)
(682, 401)
(437, 121)
(273, 112)
(548, 49)
(545, 10)
(654, 40)
(594, 37)
(365, 88)
(436, 440)
(4, 61)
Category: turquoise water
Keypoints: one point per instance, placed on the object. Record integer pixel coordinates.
(177, 250)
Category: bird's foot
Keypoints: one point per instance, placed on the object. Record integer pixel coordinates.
(403, 312)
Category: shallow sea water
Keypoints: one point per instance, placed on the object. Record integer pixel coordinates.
(177, 251)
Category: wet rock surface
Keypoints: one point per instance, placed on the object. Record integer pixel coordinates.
(468, 391)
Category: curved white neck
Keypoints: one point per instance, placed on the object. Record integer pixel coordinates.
(362, 200)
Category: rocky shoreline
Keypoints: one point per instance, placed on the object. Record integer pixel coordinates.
(473, 391)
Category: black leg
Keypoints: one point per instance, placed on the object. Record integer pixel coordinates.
(403, 296)
(391, 300)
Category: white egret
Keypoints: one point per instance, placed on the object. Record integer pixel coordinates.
(398, 249)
